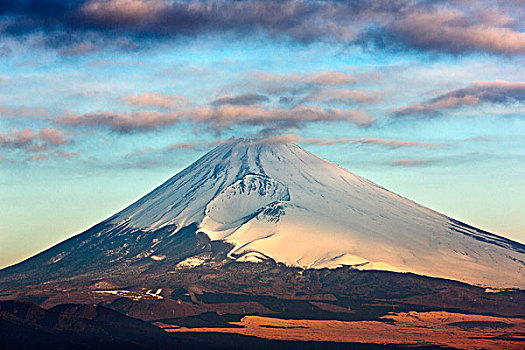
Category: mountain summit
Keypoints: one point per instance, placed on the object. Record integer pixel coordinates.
(278, 201)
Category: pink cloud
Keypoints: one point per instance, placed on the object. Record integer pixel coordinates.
(13, 112)
(17, 138)
(369, 140)
(217, 117)
(410, 162)
(121, 12)
(122, 122)
(293, 138)
(37, 158)
(33, 141)
(343, 96)
(156, 99)
(481, 139)
(223, 117)
(454, 30)
(286, 138)
(196, 145)
(277, 83)
(64, 154)
(53, 136)
(497, 92)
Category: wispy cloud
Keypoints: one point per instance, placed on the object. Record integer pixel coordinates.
(498, 92)
(156, 99)
(407, 162)
(481, 139)
(64, 154)
(55, 154)
(217, 118)
(32, 64)
(371, 141)
(343, 96)
(276, 84)
(240, 100)
(194, 145)
(329, 88)
(223, 117)
(293, 138)
(32, 140)
(122, 122)
(37, 158)
(106, 62)
(15, 112)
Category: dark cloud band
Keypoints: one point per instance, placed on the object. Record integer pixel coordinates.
(80, 26)
(498, 92)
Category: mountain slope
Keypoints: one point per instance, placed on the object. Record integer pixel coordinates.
(278, 201)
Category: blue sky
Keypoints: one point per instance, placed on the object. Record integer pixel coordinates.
(101, 101)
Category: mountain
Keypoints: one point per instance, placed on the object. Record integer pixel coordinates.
(254, 202)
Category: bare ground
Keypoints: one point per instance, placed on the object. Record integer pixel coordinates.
(440, 328)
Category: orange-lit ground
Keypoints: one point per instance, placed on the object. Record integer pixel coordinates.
(404, 328)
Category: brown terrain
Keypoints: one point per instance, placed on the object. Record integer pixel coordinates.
(440, 328)
(240, 305)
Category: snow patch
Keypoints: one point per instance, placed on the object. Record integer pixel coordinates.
(191, 262)
(158, 257)
(155, 294)
(57, 258)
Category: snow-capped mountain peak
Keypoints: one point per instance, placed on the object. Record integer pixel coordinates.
(276, 200)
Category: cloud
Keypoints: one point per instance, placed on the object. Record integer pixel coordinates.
(32, 64)
(342, 96)
(17, 138)
(293, 138)
(78, 47)
(122, 122)
(120, 12)
(217, 118)
(33, 141)
(299, 83)
(156, 99)
(326, 87)
(14, 112)
(286, 138)
(223, 117)
(240, 100)
(83, 26)
(497, 92)
(106, 63)
(480, 139)
(45, 142)
(163, 156)
(407, 162)
(64, 154)
(333, 78)
(454, 30)
(195, 145)
(5, 51)
(37, 158)
(53, 136)
(191, 145)
(372, 141)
